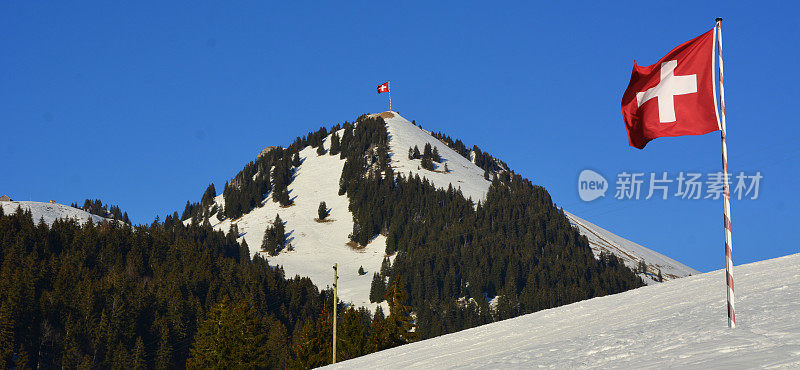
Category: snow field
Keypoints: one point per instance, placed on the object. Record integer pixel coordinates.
(679, 324)
(50, 212)
(317, 245)
(463, 173)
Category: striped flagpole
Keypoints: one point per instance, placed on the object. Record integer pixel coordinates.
(725, 189)
(389, 90)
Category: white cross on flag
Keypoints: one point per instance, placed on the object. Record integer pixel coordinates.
(384, 87)
(673, 97)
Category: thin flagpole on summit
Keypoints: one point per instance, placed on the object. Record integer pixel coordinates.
(389, 90)
(726, 195)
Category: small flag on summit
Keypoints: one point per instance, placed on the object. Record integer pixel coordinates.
(384, 87)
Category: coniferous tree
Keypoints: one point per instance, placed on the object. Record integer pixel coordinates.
(347, 137)
(163, 358)
(296, 160)
(7, 342)
(335, 147)
(322, 211)
(138, 356)
(386, 267)
(268, 241)
(428, 150)
(361, 270)
(244, 252)
(321, 149)
(233, 336)
(642, 267)
(283, 198)
(313, 348)
(208, 196)
(427, 163)
(274, 237)
(23, 360)
(416, 153)
(427, 158)
(280, 233)
(377, 289)
(281, 175)
(352, 334)
(400, 314)
(380, 333)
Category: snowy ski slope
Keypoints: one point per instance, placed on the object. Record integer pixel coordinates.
(680, 324)
(50, 212)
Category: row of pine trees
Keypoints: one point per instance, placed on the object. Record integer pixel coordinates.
(96, 207)
(168, 295)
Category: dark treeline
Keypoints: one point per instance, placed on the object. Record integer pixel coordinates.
(114, 296)
(96, 207)
(454, 255)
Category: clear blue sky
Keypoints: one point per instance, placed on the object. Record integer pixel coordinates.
(143, 105)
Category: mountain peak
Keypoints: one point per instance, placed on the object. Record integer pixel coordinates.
(313, 246)
(387, 114)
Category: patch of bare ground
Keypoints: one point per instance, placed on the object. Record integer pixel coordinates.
(355, 246)
(325, 221)
(386, 114)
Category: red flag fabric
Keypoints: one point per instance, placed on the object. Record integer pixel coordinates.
(384, 87)
(673, 97)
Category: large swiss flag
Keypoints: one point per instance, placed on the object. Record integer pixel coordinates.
(673, 97)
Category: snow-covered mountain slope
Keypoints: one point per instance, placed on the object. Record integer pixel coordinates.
(316, 245)
(682, 324)
(462, 172)
(603, 240)
(50, 211)
(466, 175)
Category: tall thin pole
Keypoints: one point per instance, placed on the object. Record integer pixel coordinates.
(389, 85)
(335, 307)
(726, 195)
